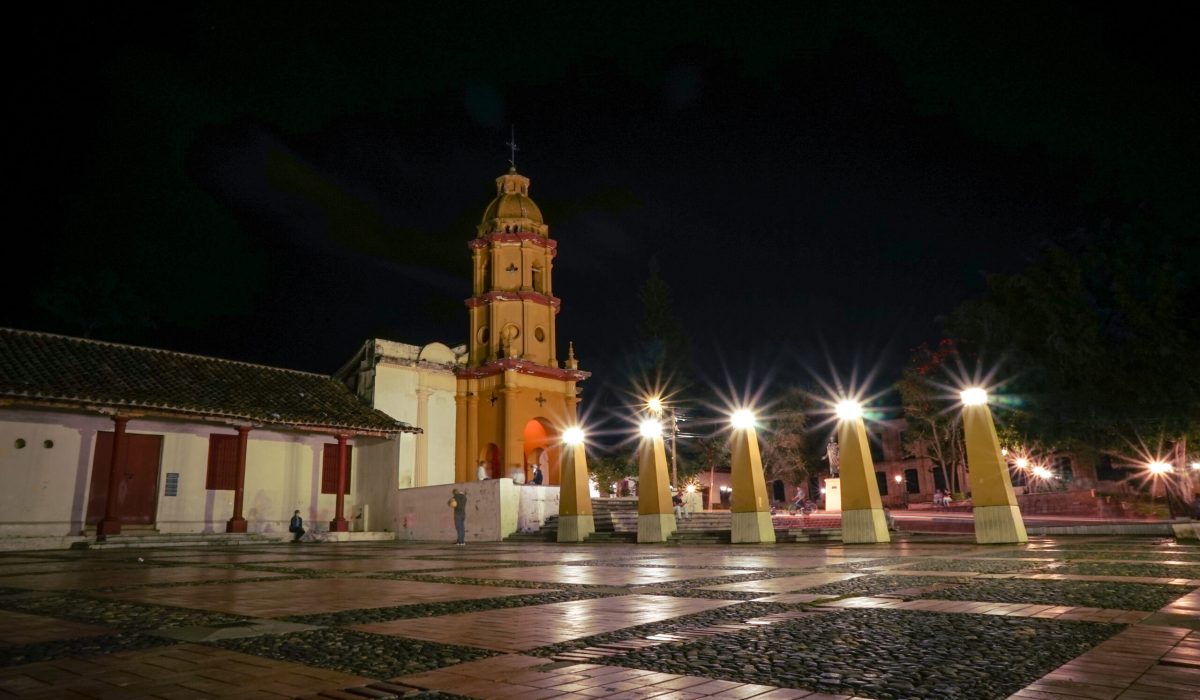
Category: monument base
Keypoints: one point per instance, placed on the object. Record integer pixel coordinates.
(864, 526)
(999, 525)
(833, 495)
(655, 527)
(754, 526)
(575, 528)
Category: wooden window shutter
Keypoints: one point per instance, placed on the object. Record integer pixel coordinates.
(329, 474)
(222, 463)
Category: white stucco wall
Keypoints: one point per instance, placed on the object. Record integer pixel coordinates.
(536, 504)
(395, 393)
(45, 489)
(39, 494)
(492, 508)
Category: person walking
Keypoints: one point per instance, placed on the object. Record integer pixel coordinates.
(458, 501)
(296, 527)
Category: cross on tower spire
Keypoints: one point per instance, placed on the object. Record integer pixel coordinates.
(512, 145)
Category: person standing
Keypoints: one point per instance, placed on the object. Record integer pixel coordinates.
(296, 527)
(481, 472)
(458, 501)
(537, 475)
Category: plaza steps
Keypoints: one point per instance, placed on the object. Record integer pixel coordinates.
(131, 539)
(617, 518)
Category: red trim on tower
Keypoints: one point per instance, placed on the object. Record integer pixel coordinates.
(535, 297)
(523, 367)
(533, 238)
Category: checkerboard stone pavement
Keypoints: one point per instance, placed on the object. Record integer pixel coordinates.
(532, 621)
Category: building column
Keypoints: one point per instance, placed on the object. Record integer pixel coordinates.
(751, 521)
(510, 452)
(421, 473)
(238, 523)
(462, 458)
(339, 524)
(110, 524)
(472, 434)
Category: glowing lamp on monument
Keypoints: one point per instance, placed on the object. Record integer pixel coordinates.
(654, 405)
(849, 410)
(973, 396)
(650, 429)
(742, 419)
(573, 436)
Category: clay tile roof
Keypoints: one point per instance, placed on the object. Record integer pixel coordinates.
(41, 368)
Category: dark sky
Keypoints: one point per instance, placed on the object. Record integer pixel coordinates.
(276, 182)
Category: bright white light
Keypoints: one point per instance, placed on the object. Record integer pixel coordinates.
(691, 488)
(1003, 451)
(651, 429)
(849, 410)
(742, 419)
(1196, 466)
(898, 478)
(1160, 467)
(573, 436)
(973, 396)
(655, 405)
(1042, 473)
(1022, 463)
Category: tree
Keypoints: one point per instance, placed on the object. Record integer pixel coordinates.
(1103, 333)
(932, 432)
(610, 469)
(785, 444)
(664, 356)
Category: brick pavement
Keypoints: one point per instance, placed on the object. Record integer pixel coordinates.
(1156, 656)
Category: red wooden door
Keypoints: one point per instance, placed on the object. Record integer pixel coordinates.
(137, 494)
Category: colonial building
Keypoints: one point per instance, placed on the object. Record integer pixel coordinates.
(97, 438)
(514, 397)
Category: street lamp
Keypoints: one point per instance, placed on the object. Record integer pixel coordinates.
(1160, 468)
(903, 492)
(658, 409)
(1022, 463)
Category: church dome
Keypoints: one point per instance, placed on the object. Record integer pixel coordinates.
(512, 207)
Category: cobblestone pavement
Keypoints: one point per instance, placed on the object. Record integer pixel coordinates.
(1060, 619)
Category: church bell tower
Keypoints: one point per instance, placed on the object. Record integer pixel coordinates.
(514, 398)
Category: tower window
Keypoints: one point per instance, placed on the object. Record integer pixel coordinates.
(536, 272)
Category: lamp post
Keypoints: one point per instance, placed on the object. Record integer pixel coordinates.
(863, 520)
(656, 517)
(997, 517)
(751, 520)
(660, 411)
(575, 519)
(903, 492)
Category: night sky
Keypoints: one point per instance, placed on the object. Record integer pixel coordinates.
(277, 182)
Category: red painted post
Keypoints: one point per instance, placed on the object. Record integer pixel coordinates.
(339, 524)
(110, 524)
(238, 523)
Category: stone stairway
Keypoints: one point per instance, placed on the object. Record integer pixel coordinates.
(617, 518)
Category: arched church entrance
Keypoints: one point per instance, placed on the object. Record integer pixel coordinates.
(490, 456)
(541, 448)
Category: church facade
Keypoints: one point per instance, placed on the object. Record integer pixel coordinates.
(514, 397)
